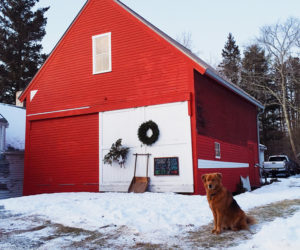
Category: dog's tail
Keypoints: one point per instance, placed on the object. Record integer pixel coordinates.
(251, 220)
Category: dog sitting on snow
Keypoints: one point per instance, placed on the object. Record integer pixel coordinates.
(227, 213)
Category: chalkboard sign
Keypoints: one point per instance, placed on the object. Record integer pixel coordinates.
(166, 166)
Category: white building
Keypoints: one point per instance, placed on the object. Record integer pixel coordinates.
(14, 127)
(12, 143)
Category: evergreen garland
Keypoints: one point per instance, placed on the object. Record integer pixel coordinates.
(117, 153)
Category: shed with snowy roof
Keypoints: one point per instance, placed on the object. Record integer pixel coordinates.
(12, 125)
(12, 144)
(113, 71)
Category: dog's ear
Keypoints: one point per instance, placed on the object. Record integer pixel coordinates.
(203, 178)
(219, 175)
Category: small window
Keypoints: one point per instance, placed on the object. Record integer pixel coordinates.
(217, 150)
(102, 53)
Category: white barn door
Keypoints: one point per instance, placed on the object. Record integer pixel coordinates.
(174, 125)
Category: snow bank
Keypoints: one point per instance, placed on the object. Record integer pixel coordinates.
(286, 189)
(282, 233)
(15, 133)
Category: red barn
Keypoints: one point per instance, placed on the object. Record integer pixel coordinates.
(113, 71)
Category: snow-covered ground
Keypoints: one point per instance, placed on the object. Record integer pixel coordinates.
(282, 233)
(159, 217)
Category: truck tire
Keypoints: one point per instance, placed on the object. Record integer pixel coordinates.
(288, 173)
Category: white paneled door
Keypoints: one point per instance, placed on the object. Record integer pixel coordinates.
(174, 125)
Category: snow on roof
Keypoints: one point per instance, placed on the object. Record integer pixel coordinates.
(3, 120)
(15, 133)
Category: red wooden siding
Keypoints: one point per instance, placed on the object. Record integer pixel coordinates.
(64, 155)
(226, 118)
(230, 177)
(146, 69)
(144, 65)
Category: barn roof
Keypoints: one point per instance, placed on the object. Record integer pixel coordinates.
(207, 69)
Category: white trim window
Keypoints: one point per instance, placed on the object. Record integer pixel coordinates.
(102, 53)
(217, 150)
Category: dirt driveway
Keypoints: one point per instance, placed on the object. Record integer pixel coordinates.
(33, 232)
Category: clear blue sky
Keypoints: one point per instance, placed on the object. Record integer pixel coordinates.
(209, 21)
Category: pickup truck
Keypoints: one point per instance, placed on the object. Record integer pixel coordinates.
(280, 164)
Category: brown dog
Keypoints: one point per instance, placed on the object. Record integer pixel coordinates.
(227, 213)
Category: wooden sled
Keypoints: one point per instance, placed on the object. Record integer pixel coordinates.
(139, 184)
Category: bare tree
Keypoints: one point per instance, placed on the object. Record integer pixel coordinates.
(281, 42)
(185, 39)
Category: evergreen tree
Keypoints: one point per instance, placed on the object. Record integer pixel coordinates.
(256, 80)
(230, 65)
(255, 72)
(21, 32)
(293, 94)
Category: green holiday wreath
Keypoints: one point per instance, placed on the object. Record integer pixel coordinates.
(143, 130)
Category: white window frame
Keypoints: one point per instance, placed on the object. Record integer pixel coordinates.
(217, 150)
(109, 53)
